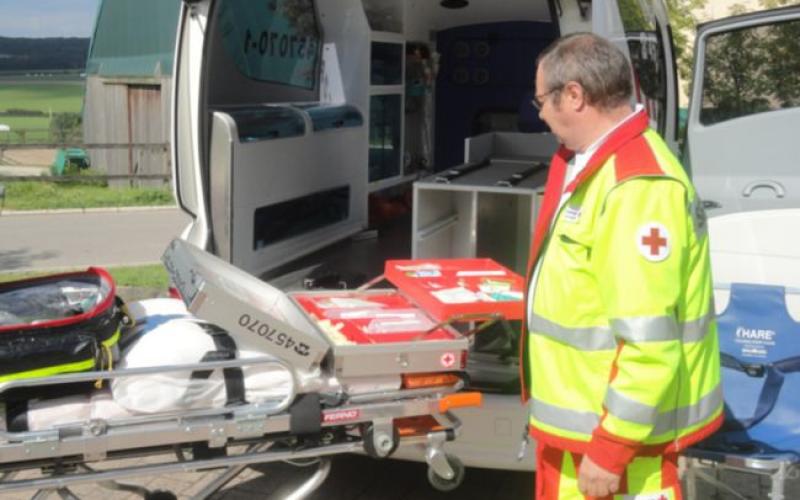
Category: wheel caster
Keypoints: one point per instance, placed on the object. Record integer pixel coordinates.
(380, 445)
(160, 495)
(442, 484)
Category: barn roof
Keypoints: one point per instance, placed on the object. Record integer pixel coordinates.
(134, 38)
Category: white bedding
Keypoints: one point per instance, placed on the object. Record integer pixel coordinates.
(169, 336)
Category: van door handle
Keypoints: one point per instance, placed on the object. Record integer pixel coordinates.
(776, 186)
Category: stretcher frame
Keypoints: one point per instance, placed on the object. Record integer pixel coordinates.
(779, 465)
(216, 291)
(778, 469)
(65, 453)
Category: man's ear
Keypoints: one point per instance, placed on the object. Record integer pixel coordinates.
(574, 95)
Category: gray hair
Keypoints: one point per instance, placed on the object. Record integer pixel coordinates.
(592, 61)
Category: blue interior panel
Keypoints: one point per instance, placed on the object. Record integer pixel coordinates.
(485, 69)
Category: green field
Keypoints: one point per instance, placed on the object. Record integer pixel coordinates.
(49, 96)
(38, 128)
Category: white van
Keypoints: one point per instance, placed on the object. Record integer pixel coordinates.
(288, 114)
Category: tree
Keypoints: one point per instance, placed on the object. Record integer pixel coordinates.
(300, 14)
(683, 18)
(782, 51)
(65, 127)
(751, 70)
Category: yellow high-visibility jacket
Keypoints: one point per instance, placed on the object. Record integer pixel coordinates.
(620, 357)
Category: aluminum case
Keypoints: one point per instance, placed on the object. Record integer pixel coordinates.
(261, 317)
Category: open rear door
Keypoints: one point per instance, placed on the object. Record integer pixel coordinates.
(185, 116)
(641, 29)
(744, 118)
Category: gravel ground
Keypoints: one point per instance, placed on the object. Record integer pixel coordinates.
(29, 157)
(361, 478)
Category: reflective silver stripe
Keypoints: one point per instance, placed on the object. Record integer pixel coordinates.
(687, 416)
(592, 338)
(563, 418)
(633, 330)
(586, 422)
(665, 493)
(621, 406)
(646, 329)
(661, 328)
(696, 330)
(627, 409)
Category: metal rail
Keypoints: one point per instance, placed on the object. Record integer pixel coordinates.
(163, 146)
(193, 466)
(83, 178)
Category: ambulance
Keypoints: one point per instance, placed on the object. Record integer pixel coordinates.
(297, 124)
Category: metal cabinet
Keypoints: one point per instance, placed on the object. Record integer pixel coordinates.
(490, 209)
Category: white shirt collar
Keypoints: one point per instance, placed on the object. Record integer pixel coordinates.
(579, 161)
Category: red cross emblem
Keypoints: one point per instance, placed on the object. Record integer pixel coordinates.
(653, 241)
(448, 359)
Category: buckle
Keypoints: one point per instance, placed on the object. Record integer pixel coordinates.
(754, 370)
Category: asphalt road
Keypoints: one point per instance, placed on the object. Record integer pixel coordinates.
(57, 240)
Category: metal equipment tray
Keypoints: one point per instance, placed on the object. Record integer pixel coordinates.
(292, 326)
(382, 332)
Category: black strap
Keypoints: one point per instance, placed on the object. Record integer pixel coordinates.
(225, 350)
(773, 382)
(455, 172)
(520, 176)
(305, 415)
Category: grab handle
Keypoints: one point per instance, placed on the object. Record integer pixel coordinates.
(460, 400)
(776, 186)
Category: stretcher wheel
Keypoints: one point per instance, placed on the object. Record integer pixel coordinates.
(386, 444)
(442, 484)
(160, 495)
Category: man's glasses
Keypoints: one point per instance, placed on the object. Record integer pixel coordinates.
(538, 99)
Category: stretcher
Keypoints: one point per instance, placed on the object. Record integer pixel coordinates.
(365, 371)
(759, 339)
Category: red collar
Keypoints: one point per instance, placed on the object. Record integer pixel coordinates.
(631, 129)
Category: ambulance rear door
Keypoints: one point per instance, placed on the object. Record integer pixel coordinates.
(642, 30)
(744, 113)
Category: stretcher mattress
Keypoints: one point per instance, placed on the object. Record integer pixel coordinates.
(166, 334)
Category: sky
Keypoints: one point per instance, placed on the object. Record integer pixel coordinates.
(47, 18)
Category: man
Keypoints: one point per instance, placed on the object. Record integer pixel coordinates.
(620, 356)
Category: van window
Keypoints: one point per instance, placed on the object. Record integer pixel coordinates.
(291, 218)
(276, 41)
(646, 49)
(751, 70)
(385, 135)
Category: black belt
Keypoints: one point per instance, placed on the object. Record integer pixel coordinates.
(773, 374)
(226, 350)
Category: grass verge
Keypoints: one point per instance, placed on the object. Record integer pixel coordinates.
(34, 195)
(149, 276)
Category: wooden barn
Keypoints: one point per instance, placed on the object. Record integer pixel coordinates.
(128, 88)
